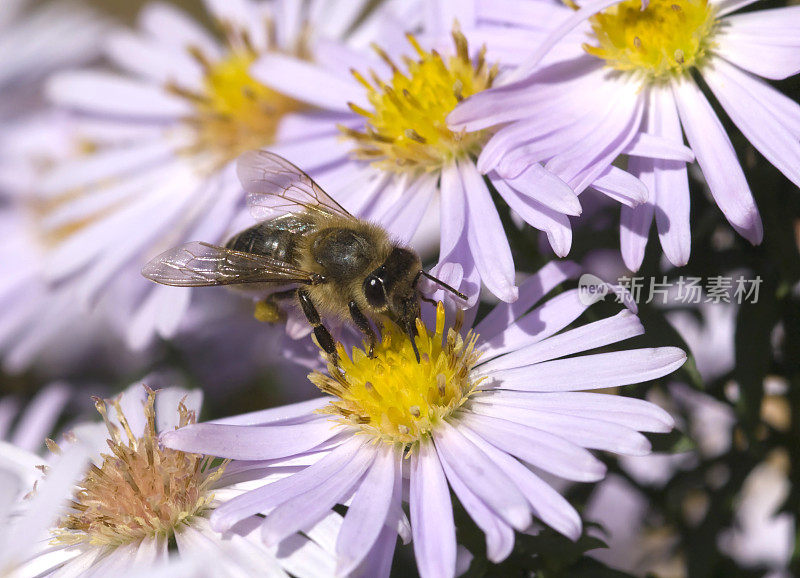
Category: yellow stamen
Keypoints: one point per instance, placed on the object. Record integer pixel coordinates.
(407, 128)
(141, 489)
(234, 112)
(666, 39)
(393, 398)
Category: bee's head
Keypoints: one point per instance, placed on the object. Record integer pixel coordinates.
(391, 290)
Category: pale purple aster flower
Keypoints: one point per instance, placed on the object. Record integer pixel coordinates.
(29, 507)
(484, 412)
(139, 496)
(46, 327)
(42, 325)
(163, 131)
(628, 69)
(26, 426)
(35, 41)
(399, 157)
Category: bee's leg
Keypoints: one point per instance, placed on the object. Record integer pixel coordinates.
(324, 337)
(428, 300)
(268, 311)
(363, 325)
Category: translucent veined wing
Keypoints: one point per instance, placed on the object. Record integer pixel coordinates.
(275, 187)
(198, 264)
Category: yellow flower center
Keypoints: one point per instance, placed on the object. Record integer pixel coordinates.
(234, 112)
(664, 40)
(393, 398)
(141, 489)
(407, 128)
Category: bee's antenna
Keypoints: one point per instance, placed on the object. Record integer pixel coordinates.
(442, 283)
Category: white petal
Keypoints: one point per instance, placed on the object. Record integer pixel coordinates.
(530, 292)
(554, 224)
(753, 116)
(635, 222)
(306, 82)
(548, 505)
(302, 511)
(593, 371)
(431, 515)
(499, 535)
(628, 411)
(539, 324)
(474, 469)
(107, 93)
(546, 188)
(623, 325)
(454, 206)
(621, 186)
(173, 27)
(583, 431)
(368, 510)
(250, 442)
(403, 218)
(763, 53)
(136, 161)
(487, 239)
(166, 406)
(537, 447)
(653, 146)
(716, 157)
(670, 182)
(268, 496)
(149, 60)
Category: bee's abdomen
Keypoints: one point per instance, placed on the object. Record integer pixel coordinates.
(266, 239)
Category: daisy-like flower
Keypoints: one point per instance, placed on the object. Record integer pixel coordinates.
(139, 497)
(399, 155)
(160, 136)
(483, 412)
(42, 325)
(630, 68)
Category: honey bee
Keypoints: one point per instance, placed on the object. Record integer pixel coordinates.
(333, 263)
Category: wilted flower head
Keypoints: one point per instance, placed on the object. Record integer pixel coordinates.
(139, 497)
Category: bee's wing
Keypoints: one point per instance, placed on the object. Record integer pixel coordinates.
(275, 186)
(198, 264)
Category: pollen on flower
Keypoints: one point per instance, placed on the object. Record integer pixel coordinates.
(141, 489)
(393, 398)
(407, 128)
(234, 112)
(666, 39)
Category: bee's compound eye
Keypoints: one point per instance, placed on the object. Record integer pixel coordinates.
(373, 291)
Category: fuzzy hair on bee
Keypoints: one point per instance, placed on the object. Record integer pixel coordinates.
(333, 263)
